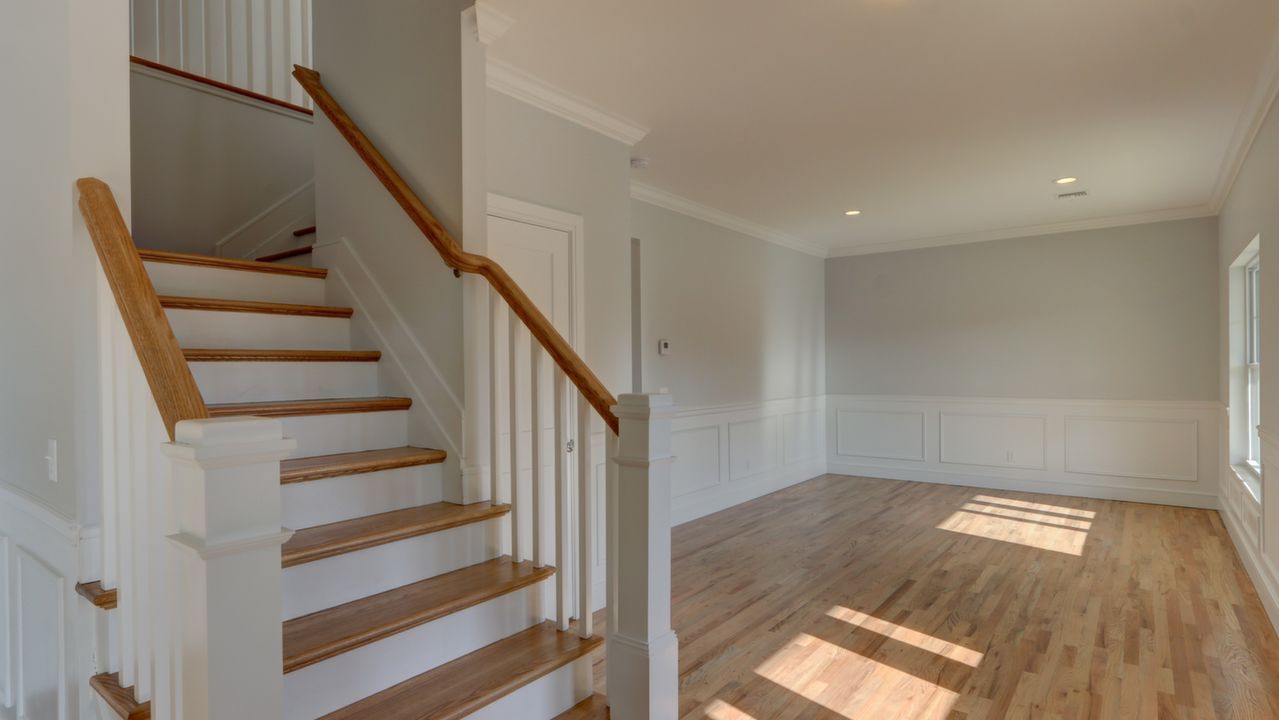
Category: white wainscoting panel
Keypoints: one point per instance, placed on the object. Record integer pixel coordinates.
(994, 440)
(728, 454)
(884, 434)
(1244, 517)
(1144, 451)
(46, 638)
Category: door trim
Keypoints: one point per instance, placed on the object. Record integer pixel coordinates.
(508, 208)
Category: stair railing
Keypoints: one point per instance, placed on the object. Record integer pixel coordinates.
(190, 512)
(642, 649)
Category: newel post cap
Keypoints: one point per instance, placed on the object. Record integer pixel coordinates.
(644, 406)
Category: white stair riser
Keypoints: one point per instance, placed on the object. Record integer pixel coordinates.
(347, 432)
(241, 330)
(226, 382)
(326, 686)
(330, 500)
(210, 282)
(340, 579)
(545, 697)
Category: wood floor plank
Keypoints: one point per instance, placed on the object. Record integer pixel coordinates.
(848, 597)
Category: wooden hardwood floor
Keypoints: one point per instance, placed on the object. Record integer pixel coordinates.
(873, 599)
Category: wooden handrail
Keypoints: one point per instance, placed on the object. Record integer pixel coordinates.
(225, 87)
(163, 364)
(451, 252)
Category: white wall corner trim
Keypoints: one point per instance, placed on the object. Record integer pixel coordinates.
(1141, 451)
(729, 454)
(1102, 223)
(1248, 126)
(509, 80)
(220, 93)
(491, 23)
(691, 208)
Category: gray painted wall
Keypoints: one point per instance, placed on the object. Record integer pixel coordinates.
(1125, 313)
(744, 316)
(542, 159)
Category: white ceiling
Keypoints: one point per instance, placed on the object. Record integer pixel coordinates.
(943, 120)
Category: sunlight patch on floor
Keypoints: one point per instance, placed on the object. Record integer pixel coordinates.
(1030, 516)
(719, 710)
(1030, 533)
(1042, 507)
(852, 685)
(934, 645)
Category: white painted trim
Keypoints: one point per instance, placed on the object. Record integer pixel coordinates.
(706, 213)
(31, 505)
(1248, 127)
(987, 400)
(1168, 215)
(1262, 572)
(220, 93)
(308, 186)
(491, 23)
(509, 80)
(528, 213)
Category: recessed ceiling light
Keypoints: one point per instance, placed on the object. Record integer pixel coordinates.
(1066, 180)
(852, 212)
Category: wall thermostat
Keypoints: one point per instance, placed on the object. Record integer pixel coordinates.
(663, 347)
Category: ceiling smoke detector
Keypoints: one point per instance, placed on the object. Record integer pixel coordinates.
(1073, 195)
(639, 163)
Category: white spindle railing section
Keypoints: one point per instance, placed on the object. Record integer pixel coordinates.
(251, 44)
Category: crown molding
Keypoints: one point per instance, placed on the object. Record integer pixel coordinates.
(1027, 231)
(684, 206)
(490, 23)
(509, 80)
(1248, 127)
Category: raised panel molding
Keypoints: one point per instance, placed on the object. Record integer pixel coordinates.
(883, 434)
(698, 452)
(1154, 448)
(6, 639)
(1142, 451)
(41, 645)
(800, 438)
(994, 440)
(752, 447)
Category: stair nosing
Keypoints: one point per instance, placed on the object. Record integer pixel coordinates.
(176, 258)
(95, 593)
(279, 355)
(286, 254)
(182, 302)
(485, 511)
(299, 408)
(288, 476)
(107, 686)
(420, 616)
(484, 696)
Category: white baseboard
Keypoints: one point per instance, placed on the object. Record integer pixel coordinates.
(1262, 571)
(1139, 451)
(728, 454)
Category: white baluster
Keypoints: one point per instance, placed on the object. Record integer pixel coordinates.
(495, 371)
(106, 338)
(513, 420)
(563, 595)
(141, 404)
(585, 516)
(122, 362)
(535, 439)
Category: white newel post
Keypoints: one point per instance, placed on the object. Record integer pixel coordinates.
(643, 652)
(226, 493)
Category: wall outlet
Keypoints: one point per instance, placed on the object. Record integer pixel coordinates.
(663, 347)
(51, 460)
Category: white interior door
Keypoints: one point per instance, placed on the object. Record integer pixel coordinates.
(540, 259)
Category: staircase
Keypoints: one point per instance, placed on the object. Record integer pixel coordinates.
(395, 603)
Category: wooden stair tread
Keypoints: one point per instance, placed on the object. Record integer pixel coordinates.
(286, 254)
(594, 707)
(308, 230)
(174, 302)
(96, 594)
(459, 688)
(292, 408)
(235, 355)
(176, 258)
(324, 634)
(318, 467)
(322, 541)
(119, 699)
